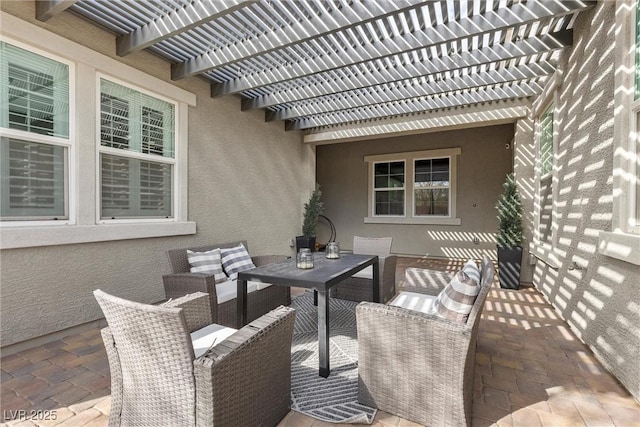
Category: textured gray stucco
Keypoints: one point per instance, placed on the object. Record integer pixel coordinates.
(601, 302)
(482, 167)
(247, 180)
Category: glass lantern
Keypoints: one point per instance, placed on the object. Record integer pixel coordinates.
(304, 259)
(332, 250)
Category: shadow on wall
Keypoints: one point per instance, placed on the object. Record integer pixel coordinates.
(596, 294)
(452, 244)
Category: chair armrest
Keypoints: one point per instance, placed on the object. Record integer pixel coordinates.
(196, 309)
(379, 315)
(180, 284)
(259, 260)
(247, 377)
(424, 281)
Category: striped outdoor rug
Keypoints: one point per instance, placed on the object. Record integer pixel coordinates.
(333, 399)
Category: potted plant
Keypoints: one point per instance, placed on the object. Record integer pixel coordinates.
(509, 235)
(312, 211)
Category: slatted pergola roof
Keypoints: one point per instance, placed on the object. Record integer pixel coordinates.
(323, 63)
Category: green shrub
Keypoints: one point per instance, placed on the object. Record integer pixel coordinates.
(312, 210)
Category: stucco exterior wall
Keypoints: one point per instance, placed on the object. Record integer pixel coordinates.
(601, 299)
(247, 180)
(482, 167)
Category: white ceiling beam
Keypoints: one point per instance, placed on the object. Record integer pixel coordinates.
(412, 90)
(338, 19)
(450, 100)
(518, 14)
(430, 121)
(509, 51)
(179, 21)
(47, 9)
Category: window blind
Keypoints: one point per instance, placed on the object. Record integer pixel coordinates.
(33, 180)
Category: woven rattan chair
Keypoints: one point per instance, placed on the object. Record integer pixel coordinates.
(156, 380)
(182, 282)
(359, 287)
(420, 366)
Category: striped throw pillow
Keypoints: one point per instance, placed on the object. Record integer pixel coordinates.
(208, 263)
(471, 269)
(235, 260)
(456, 299)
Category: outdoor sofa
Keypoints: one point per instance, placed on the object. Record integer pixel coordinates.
(415, 365)
(261, 297)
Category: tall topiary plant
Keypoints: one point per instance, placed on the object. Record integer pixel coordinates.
(510, 215)
(312, 211)
(509, 235)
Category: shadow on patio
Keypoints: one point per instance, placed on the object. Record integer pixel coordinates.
(530, 370)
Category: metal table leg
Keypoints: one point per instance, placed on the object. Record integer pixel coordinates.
(323, 333)
(241, 301)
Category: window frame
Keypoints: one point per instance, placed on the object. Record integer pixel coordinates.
(413, 183)
(130, 154)
(545, 249)
(68, 144)
(82, 226)
(622, 242)
(403, 189)
(409, 159)
(543, 175)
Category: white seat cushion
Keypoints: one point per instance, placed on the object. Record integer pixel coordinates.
(415, 301)
(204, 338)
(261, 286)
(228, 290)
(366, 273)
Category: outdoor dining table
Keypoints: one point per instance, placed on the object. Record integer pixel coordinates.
(325, 274)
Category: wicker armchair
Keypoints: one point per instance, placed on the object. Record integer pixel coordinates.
(359, 287)
(182, 282)
(420, 366)
(244, 379)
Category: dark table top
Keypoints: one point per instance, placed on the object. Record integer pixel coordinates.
(325, 273)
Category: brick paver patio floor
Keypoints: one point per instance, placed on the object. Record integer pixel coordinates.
(531, 370)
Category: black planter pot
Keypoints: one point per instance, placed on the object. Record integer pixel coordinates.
(305, 242)
(509, 262)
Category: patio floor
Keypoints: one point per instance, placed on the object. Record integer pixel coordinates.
(531, 370)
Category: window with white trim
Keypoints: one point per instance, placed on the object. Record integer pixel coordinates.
(34, 135)
(432, 187)
(136, 149)
(389, 188)
(413, 188)
(545, 165)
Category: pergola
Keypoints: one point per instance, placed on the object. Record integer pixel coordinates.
(317, 64)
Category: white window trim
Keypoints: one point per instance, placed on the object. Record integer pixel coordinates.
(409, 159)
(134, 154)
(545, 250)
(623, 241)
(68, 143)
(81, 226)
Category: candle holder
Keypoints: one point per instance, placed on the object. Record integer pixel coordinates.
(332, 251)
(304, 259)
